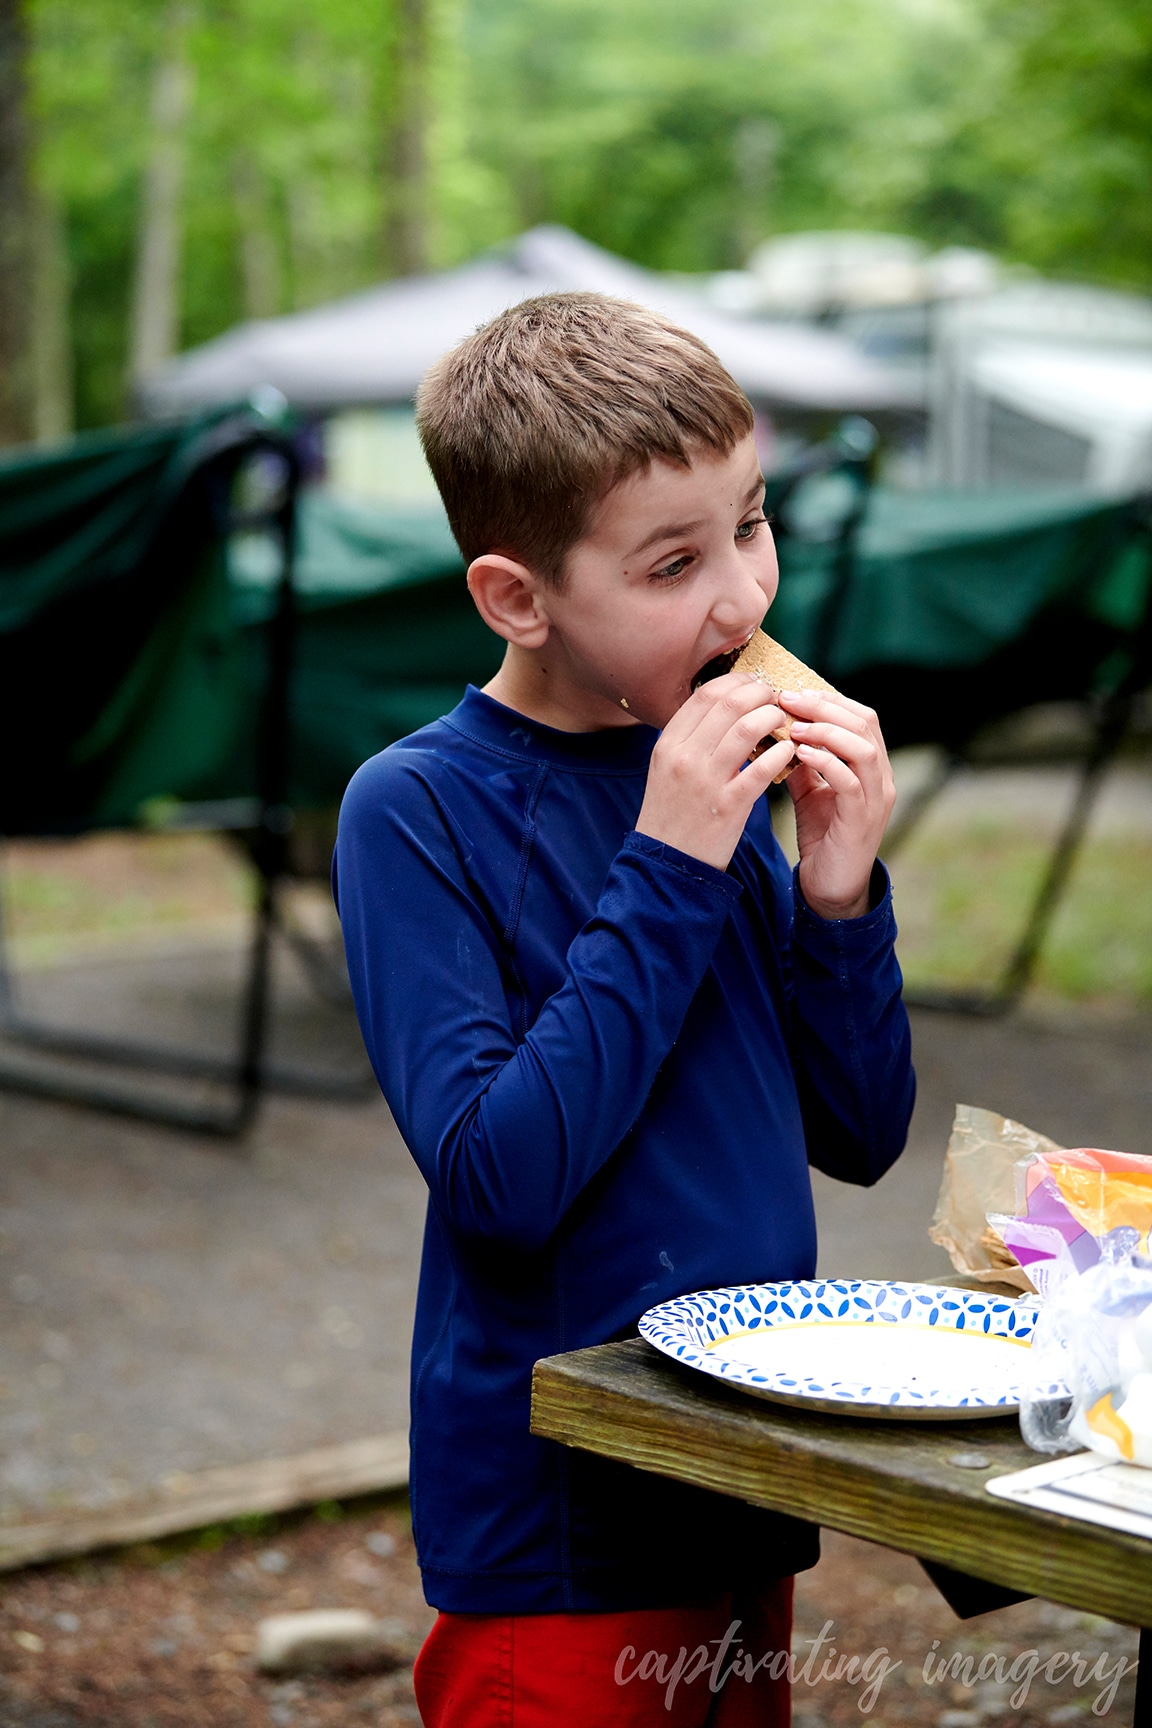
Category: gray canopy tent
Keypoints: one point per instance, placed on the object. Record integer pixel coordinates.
(374, 347)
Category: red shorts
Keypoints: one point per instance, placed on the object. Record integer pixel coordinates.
(720, 1667)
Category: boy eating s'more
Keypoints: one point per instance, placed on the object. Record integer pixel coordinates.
(613, 1027)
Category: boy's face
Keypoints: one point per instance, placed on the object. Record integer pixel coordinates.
(677, 566)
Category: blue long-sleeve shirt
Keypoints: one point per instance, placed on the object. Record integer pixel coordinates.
(612, 1064)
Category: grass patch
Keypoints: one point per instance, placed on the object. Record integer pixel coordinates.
(963, 891)
(963, 894)
(111, 886)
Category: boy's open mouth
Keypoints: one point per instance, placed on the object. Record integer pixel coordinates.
(721, 663)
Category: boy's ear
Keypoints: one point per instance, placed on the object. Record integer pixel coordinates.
(507, 597)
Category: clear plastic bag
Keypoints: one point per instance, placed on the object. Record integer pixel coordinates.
(980, 1175)
(1090, 1379)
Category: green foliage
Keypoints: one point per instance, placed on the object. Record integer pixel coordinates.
(90, 80)
(677, 135)
(1077, 134)
(681, 137)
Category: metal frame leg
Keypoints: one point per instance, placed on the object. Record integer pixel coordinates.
(247, 1072)
(915, 807)
(1017, 973)
(326, 975)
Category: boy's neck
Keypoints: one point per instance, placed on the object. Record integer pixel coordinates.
(529, 686)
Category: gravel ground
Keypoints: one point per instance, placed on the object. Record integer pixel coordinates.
(162, 1638)
(879, 1600)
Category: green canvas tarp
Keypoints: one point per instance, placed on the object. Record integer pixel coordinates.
(134, 640)
(387, 636)
(953, 600)
(964, 607)
(123, 672)
(950, 579)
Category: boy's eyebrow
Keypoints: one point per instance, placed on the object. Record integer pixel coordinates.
(676, 530)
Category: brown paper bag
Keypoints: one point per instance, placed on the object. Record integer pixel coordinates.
(980, 1177)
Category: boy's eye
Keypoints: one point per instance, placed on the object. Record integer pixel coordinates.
(670, 571)
(747, 530)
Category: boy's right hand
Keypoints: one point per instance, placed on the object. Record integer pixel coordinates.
(700, 794)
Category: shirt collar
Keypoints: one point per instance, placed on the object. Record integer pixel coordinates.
(490, 722)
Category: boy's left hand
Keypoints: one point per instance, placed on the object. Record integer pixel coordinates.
(843, 793)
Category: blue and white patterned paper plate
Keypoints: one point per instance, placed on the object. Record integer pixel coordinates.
(911, 1352)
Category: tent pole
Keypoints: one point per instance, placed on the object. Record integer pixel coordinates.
(270, 854)
(1017, 973)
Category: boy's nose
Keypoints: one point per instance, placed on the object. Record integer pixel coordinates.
(739, 604)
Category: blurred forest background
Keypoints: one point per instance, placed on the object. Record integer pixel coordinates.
(168, 167)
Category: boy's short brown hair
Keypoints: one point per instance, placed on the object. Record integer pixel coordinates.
(531, 421)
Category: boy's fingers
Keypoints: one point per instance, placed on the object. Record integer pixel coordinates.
(692, 714)
(826, 704)
(855, 741)
(738, 743)
(839, 775)
(806, 781)
(759, 775)
(710, 710)
(746, 705)
(861, 708)
(732, 750)
(856, 748)
(790, 697)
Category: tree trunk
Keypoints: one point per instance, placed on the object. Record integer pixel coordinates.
(53, 381)
(16, 240)
(406, 246)
(259, 253)
(755, 148)
(155, 326)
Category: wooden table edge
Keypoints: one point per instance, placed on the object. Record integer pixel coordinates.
(723, 1441)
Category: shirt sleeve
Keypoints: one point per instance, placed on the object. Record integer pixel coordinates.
(508, 1131)
(854, 1062)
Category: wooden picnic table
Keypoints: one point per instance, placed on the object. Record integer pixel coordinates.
(915, 1486)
